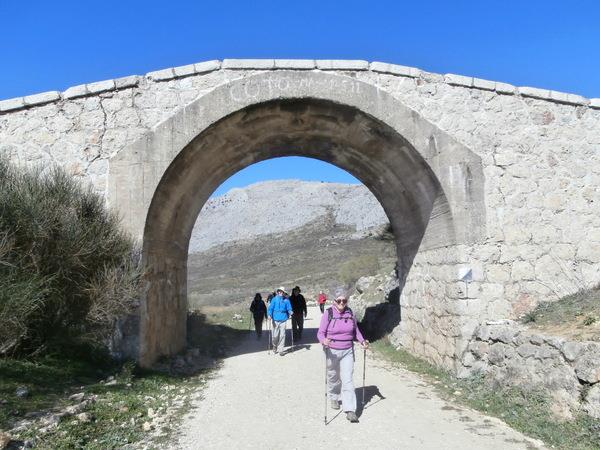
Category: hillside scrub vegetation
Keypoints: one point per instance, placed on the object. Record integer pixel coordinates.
(67, 270)
(575, 316)
(358, 266)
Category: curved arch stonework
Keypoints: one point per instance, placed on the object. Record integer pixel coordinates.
(424, 179)
(474, 175)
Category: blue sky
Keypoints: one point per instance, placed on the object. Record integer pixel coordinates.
(296, 167)
(53, 45)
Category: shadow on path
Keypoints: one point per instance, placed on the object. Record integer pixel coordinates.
(224, 341)
(370, 392)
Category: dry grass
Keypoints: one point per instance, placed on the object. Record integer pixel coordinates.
(311, 257)
(574, 317)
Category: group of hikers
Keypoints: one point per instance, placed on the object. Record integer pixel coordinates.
(337, 332)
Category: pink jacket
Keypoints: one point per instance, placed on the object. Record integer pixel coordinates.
(342, 329)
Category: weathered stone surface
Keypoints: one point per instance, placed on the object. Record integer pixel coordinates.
(231, 217)
(484, 84)
(571, 99)
(183, 71)
(75, 92)
(44, 97)
(526, 91)
(505, 88)
(342, 64)
(248, 64)
(591, 404)
(395, 69)
(12, 103)
(458, 80)
(161, 75)
(513, 356)
(527, 350)
(302, 64)
(572, 350)
(101, 86)
(207, 66)
(126, 82)
(587, 365)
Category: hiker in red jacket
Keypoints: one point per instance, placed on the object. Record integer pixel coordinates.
(322, 301)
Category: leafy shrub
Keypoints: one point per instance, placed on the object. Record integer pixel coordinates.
(530, 317)
(357, 267)
(589, 320)
(67, 270)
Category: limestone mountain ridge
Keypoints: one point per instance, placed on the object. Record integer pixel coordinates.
(279, 206)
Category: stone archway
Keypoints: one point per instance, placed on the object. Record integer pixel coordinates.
(430, 186)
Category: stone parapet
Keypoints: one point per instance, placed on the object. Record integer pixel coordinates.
(204, 67)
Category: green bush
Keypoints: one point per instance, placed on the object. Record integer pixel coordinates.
(357, 267)
(67, 270)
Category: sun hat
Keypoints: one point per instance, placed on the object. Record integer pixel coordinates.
(282, 289)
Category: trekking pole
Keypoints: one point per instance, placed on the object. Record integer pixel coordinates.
(270, 334)
(325, 353)
(364, 370)
(250, 322)
(292, 333)
(269, 338)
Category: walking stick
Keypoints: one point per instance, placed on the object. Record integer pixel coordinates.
(292, 333)
(271, 334)
(269, 339)
(250, 322)
(364, 370)
(325, 353)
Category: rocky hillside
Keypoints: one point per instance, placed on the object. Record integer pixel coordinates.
(285, 233)
(274, 207)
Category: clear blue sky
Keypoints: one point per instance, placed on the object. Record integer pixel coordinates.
(290, 167)
(51, 45)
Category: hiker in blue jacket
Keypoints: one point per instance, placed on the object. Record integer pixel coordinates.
(280, 310)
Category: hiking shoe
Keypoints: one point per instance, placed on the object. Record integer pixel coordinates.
(335, 404)
(351, 416)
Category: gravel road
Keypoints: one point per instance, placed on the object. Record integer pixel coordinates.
(262, 401)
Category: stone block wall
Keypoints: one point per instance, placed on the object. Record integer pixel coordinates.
(541, 161)
(540, 152)
(511, 355)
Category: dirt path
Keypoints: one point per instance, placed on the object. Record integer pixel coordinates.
(265, 401)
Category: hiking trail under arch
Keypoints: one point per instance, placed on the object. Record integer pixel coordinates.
(257, 400)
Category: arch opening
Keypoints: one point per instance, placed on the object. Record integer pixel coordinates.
(286, 221)
(373, 152)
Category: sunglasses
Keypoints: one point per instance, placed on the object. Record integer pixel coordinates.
(341, 300)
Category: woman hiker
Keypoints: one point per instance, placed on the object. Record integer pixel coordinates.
(337, 332)
(259, 312)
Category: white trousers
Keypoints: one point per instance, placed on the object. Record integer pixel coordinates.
(340, 368)
(278, 335)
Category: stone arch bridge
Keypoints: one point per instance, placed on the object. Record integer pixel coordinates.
(478, 178)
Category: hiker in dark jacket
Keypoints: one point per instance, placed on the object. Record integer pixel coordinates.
(259, 312)
(298, 312)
